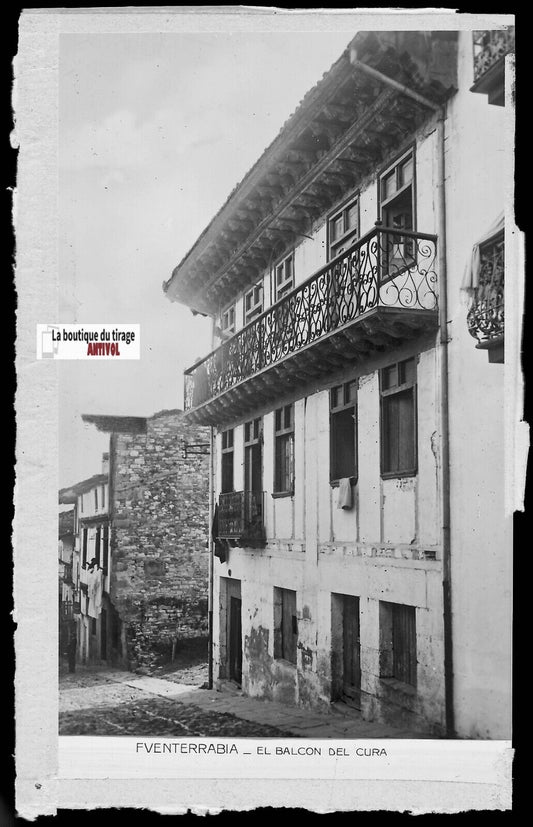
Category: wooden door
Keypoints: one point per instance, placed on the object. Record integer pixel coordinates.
(103, 634)
(235, 639)
(351, 672)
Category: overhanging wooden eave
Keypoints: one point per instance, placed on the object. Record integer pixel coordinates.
(378, 330)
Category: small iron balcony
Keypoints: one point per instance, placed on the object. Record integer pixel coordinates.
(375, 294)
(490, 48)
(486, 316)
(240, 517)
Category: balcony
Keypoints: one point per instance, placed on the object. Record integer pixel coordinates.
(485, 318)
(373, 297)
(240, 518)
(490, 48)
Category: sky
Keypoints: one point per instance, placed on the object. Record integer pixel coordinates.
(155, 130)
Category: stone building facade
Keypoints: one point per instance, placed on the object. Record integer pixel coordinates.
(156, 578)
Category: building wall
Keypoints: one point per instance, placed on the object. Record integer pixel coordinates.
(381, 549)
(388, 547)
(159, 537)
(480, 529)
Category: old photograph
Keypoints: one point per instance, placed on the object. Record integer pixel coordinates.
(289, 518)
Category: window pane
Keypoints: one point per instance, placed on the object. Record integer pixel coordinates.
(406, 172)
(404, 643)
(351, 217)
(406, 422)
(278, 420)
(288, 416)
(390, 433)
(389, 377)
(349, 392)
(342, 441)
(227, 472)
(388, 185)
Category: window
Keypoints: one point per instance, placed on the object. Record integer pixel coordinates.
(96, 499)
(253, 303)
(398, 419)
(81, 503)
(285, 625)
(84, 547)
(97, 545)
(284, 277)
(105, 550)
(397, 211)
(343, 431)
(102, 496)
(227, 461)
(398, 642)
(284, 450)
(343, 228)
(253, 437)
(227, 321)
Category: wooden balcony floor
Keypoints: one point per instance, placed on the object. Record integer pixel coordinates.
(379, 330)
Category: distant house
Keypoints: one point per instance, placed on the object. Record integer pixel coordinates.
(141, 535)
(357, 390)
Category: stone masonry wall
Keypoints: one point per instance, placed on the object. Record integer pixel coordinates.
(159, 536)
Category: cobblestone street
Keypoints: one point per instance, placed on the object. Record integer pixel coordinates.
(111, 702)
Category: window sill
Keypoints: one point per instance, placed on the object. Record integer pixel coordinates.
(336, 483)
(396, 475)
(399, 686)
(276, 495)
(285, 663)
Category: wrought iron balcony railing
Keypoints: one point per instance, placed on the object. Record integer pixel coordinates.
(485, 317)
(240, 517)
(387, 268)
(489, 48)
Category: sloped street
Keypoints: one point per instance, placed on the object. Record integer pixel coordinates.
(110, 702)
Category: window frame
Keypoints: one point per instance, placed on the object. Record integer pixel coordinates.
(395, 167)
(387, 393)
(341, 212)
(230, 329)
(390, 659)
(286, 434)
(347, 404)
(226, 450)
(257, 307)
(284, 649)
(287, 284)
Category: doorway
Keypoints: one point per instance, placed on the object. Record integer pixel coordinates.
(346, 650)
(234, 630)
(103, 634)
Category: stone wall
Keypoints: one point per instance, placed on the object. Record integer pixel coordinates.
(159, 536)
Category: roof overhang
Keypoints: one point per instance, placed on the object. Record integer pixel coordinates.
(384, 85)
(70, 494)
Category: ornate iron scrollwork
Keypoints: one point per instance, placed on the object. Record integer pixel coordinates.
(386, 268)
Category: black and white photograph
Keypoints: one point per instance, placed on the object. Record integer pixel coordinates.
(273, 421)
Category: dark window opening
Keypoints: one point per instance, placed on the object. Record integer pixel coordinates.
(343, 431)
(398, 419)
(105, 554)
(398, 658)
(227, 461)
(285, 625)
(284, 450)
(84, 548)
